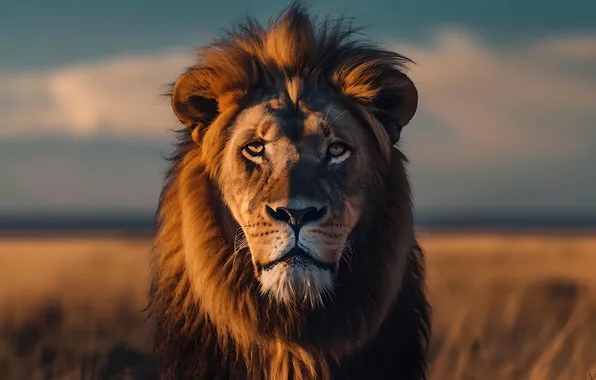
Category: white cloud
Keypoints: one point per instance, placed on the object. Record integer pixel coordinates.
(484, 97)
(503, 129)
(120, 95)
(504, 105)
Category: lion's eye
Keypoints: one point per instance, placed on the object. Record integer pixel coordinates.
(337, 149)
(254, 149)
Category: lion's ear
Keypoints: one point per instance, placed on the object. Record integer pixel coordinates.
(396, 103)
(193, 101)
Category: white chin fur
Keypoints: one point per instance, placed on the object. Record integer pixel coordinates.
(292, 284)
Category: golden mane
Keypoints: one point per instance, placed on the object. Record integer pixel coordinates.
(212, 321)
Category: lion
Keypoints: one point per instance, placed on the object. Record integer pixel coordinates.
(285, 246)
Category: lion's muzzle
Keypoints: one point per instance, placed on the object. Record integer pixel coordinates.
(298, 256)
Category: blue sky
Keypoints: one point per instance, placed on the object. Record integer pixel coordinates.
(505, 125)
(37, 33)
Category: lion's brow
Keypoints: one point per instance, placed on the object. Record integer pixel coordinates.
(327, 125)
(264, 127)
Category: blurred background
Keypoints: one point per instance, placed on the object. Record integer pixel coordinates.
(502, 154)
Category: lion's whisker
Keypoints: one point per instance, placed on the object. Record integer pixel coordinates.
(337, 117)
(327, 114)
(347, 253)
(240, 240)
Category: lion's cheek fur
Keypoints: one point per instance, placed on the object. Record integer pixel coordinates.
(210, 285)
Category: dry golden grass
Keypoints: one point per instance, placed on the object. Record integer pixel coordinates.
(67, 303)
(512, 306)
(505, 306)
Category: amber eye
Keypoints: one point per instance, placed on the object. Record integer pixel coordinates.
(336, 149)
(254, 149)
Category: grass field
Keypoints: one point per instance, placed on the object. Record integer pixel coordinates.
(505, 307)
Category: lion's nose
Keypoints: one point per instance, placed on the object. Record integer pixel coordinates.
(297, 218)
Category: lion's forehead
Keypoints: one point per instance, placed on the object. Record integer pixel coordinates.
(296, 131)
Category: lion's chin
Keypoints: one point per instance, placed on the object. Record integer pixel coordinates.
(297, 281)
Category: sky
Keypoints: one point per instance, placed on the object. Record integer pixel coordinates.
(506, 123)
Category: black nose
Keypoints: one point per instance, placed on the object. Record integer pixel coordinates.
(297, 218)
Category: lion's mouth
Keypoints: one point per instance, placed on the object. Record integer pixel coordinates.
(297, 256)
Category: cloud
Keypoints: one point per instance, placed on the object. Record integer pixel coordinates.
(117, 96)
(511, 129)
(502, 130)
(482, 96)
(504, 105)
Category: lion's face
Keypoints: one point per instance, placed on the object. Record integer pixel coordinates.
(294, 181)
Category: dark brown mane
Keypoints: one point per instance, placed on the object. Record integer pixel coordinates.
(380, 296)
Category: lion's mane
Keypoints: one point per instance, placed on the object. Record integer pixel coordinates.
(215, 324)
